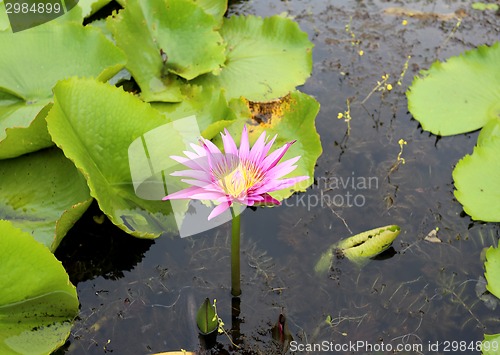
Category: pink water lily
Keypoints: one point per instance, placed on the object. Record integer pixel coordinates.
(243, 175)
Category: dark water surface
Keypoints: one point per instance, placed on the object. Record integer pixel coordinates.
(138, 297)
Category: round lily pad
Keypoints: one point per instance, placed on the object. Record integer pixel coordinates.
(99, 146)
(166, 37)
(43, 194)
(459, 95)
(476, 177)
(266, 58)
(37, 300)
(31, 63)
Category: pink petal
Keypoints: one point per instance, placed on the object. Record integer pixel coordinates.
(219, 209)
(210, 148)
(200, 160)
(272, 159)
(257, 151)
(216, 160)
(186, 193)
(198, 149)
(195, 164)
(244, 145)
(283, 184)
(206, 195)
(195, 193)
(229, 144)
(263, 199)
(196, 174)
(282, 169)
(269, 200)
(269, 145)
(221, 165)
(203, 184)
(246, 202)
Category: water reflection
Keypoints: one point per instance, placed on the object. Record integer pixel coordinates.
(98, 249)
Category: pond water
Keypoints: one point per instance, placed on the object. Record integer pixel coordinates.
(139, 296)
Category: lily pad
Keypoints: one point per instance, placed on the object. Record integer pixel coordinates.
(216, 8)
(19, 141)
(360, 247)
(32, 62)
(291, 118)
(476, 177)
(489, 133)
(42, 194)
(209, 105)
(37, 300)
(166, 37)
(460, 95)
(266, 58)
(492, 271)
(490, 344)
(99, 144)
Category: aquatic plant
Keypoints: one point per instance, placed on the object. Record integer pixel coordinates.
(26, 80)
(399, 159)
(469, 83)
(239, 176)
(481, 6)
(206, 318)
(62, 84)
(38, 114)
(37, 301)
(360, 247)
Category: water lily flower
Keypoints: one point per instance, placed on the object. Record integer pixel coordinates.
(243, 175)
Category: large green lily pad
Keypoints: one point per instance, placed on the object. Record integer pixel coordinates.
(42, 194)
(164, 39)
(266, 58)
(32, 62)
(476, 176)
(209, 105)
(460, 95)
(37, 300)
(99, 145)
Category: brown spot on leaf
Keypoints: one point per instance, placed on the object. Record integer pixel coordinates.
(265, 112)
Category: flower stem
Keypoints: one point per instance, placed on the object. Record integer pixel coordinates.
(235, 253)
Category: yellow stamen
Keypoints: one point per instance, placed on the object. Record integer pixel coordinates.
(242, 178)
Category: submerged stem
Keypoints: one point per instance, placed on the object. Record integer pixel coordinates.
(235, 253)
